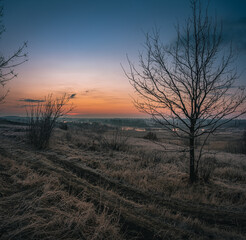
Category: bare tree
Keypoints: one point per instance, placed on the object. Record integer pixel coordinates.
(43, 117)
(7, 64)
(189, 86)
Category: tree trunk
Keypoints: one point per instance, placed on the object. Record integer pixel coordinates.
(192, 156)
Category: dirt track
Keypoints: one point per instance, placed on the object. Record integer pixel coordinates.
(142, 214)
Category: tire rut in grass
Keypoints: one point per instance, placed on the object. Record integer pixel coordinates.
(130, 202)
(209, 214)
(135, 218)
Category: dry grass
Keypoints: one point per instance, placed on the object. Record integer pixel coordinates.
(37, 206)
(148, 167)
(231, 173)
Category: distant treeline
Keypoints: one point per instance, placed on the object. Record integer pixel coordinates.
(118, 122)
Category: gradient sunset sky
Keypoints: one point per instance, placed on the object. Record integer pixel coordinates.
(78, 46)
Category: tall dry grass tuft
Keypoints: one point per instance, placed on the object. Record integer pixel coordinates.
(206, 168)
(150, 168)
(116, 141)
(151, 136)
(113, 140)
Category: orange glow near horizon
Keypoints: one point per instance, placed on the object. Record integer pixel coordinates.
(97, 88)
(94, 102)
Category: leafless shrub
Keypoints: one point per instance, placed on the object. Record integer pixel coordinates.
(244, 142)
(231, 173)
(63, 126)
(116, 141)
(244, 135)
(207, 168)
(78, 138)
(148, 157)
(151, 136)
(68, 136)
(42, 118)
(238, 146)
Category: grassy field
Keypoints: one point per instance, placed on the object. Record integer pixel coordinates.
(92, 184)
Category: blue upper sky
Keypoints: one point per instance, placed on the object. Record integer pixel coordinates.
(78, 45)
(99, 27)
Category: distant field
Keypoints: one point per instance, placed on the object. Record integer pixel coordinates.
(101, 183)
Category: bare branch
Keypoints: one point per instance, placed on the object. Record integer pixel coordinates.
(8, 64)
(189, 85)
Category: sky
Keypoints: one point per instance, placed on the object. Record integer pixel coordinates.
(78, 47)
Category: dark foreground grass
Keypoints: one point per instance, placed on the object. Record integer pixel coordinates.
(81, 188)
(37, 206)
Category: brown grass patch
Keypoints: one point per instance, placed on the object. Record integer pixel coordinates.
(35, 206)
